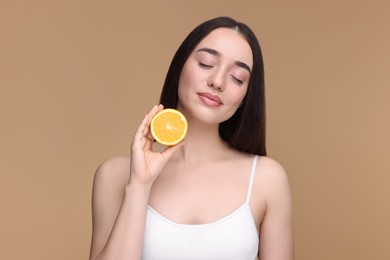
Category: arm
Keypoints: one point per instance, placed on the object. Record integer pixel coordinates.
(117, 207)
(119, 203)
(276, 234)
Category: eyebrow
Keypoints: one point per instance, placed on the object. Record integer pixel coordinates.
(218, 54)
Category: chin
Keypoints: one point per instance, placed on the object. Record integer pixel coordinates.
(213, 116)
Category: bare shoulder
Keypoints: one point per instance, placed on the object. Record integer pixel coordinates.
(109, 184)
(271, 178)
(114, 171)
(272, 186)
(269, 166)
(110, 180)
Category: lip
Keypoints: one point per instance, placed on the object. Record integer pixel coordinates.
(210, 99)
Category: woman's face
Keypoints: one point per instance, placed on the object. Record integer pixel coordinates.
(215, 77)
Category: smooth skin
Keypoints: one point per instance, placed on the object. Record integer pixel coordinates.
(167, 178)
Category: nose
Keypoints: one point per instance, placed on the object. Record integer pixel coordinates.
(216, 81)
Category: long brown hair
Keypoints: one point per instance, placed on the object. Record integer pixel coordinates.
(245, 130)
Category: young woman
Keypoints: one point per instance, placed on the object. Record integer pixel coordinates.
(215, 195)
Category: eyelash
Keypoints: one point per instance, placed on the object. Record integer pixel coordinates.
(205, 65)
(240, 82)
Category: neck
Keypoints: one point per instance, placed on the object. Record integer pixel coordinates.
(203, 143)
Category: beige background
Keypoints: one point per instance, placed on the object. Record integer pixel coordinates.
(77, 76)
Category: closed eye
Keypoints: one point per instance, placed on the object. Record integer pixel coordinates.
(205, 65)
(239, 81)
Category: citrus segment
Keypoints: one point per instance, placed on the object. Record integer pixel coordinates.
(169, 126)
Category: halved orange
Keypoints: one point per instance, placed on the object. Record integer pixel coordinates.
(169, 126)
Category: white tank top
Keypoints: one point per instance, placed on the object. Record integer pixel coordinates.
(232, 237)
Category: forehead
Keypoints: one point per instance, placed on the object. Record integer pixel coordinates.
(230, 43)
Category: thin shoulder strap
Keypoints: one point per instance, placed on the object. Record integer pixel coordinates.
(253, 170)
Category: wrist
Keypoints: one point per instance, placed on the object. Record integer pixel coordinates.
(140, 188)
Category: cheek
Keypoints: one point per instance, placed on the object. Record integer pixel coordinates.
(186, 84)
(191, 81)
(235, 102)
(185, 80)
(239, 95)
(188, 75)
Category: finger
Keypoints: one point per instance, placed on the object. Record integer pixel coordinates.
(149, 141)
(154, 111)
(151, 113)
(149, 136)
(146, 130)
(143, 128)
